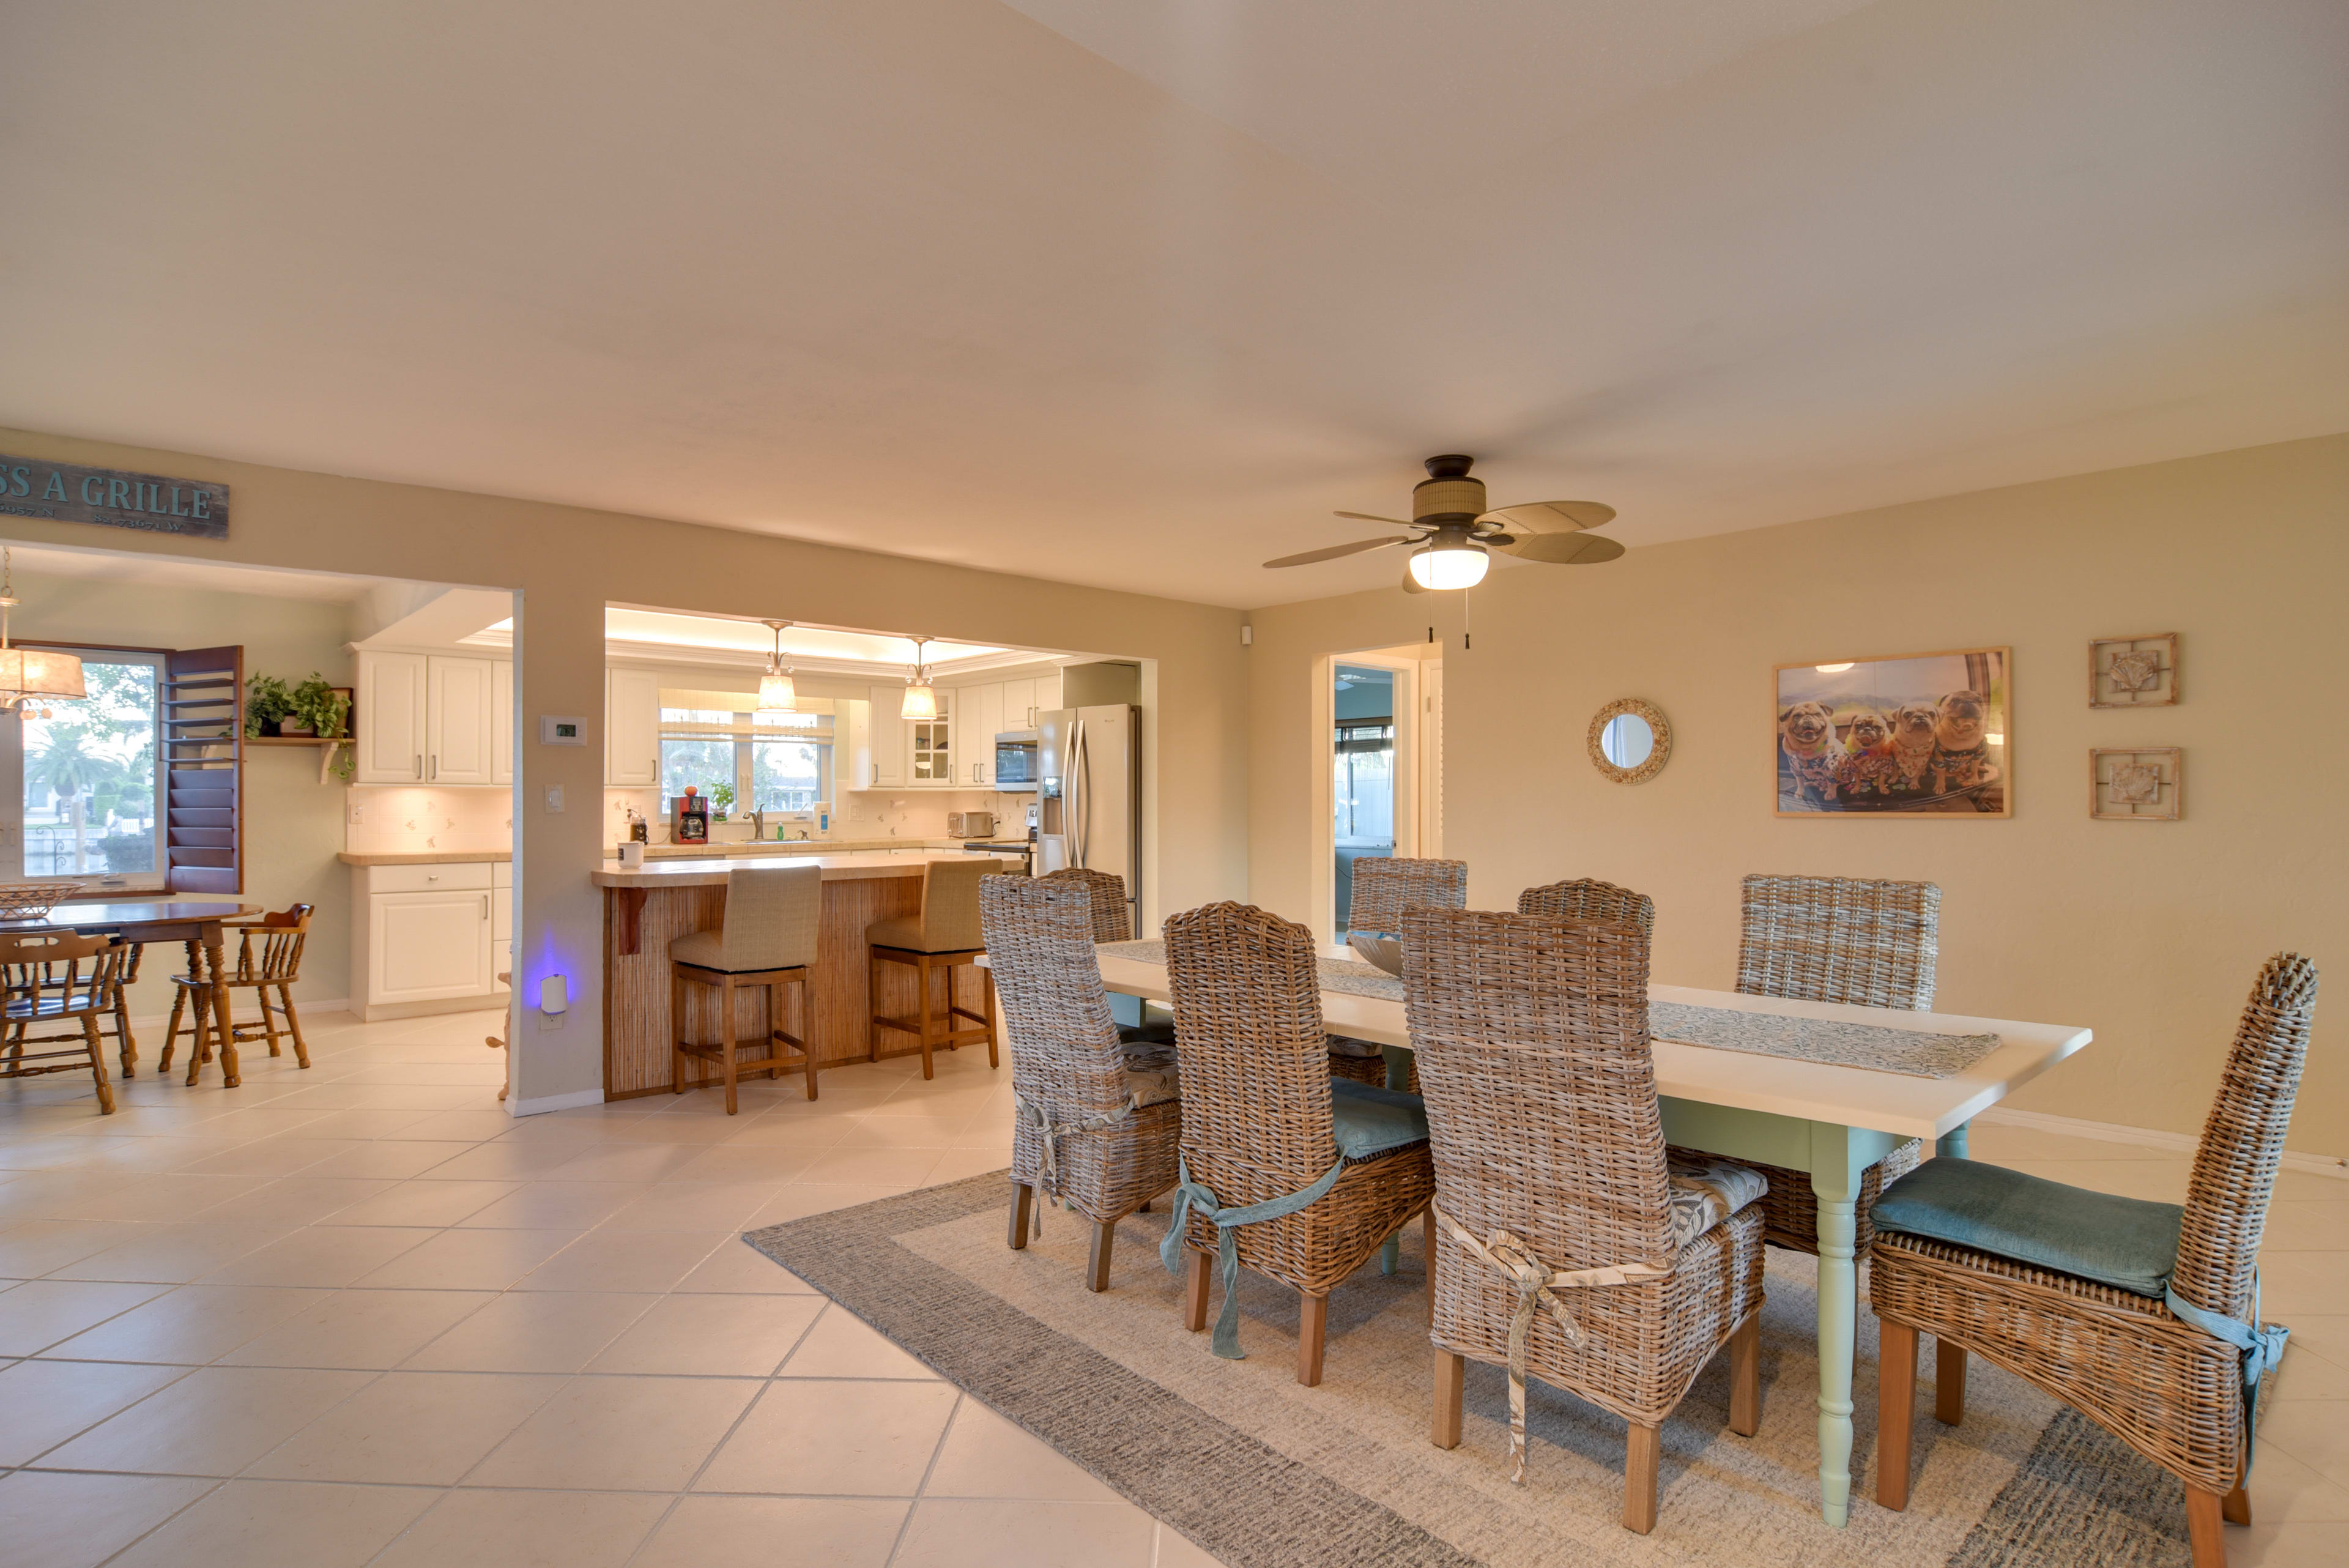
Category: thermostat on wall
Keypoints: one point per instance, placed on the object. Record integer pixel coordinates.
(555, 732)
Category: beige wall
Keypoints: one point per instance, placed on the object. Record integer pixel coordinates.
(293, 824)
(567, 562)
(2150, 933)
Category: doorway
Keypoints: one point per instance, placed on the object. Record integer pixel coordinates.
(1385, 763)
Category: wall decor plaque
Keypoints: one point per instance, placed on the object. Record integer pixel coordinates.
(1922, 733)
(2146, 783)
(113, 498)
(2133, 671)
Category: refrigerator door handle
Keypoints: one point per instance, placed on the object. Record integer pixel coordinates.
(1081, 793)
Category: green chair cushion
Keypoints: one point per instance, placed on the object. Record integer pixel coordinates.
(1371, 1120)
(2124, 1242)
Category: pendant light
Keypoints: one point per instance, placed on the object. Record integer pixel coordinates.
(29, 674)
(1450, 560)
(921, 699)
(778, 692)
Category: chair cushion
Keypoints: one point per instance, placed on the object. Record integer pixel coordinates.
(1347, 1045)
(905, 932)
(1370, 1121)
(1152, 1032)
(703, 950)
(1151, 1072)
(2124, 1242)
(1704, 1193)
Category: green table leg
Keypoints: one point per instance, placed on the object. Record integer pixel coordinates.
(1954, 1142)
(1835, 1165)
(1398, 1060)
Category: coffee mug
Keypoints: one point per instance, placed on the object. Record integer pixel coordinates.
(632, 856)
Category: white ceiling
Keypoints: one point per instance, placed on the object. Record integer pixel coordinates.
(1134, 294)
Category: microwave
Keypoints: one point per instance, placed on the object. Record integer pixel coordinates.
(1016, 760)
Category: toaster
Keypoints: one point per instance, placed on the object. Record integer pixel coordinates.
(970, 825)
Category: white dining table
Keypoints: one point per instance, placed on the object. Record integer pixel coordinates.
(1832, 1121)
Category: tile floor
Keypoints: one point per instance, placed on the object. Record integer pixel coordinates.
(357, 1315)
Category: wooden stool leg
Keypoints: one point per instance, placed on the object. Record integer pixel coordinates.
(1746, 1377)
(775, 1023)
(1644, 1450)
(126, 1044)
(2205, 1527)
(922, 1013)
(96, 1048)
(171, 1029)
(1450, 1372)
(1312, 1332)
(1949, 1383)
(676, 1032)
(293, 1023)
(726, 1035)
(199, 1043)
(1097, 1265)
(1196, 1267)
(1023, 1214)
(1896, 1410)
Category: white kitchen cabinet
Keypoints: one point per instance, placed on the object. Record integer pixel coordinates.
(929, 748)
(392, 734)
(501, 932)
(460, 709)
(885, 767)
(632, 729)
(978, 719)
(1018, 704)
(1047, 696)
(429, 946)
(501, 722)
(851, 746)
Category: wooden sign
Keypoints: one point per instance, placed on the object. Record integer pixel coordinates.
(113, 498)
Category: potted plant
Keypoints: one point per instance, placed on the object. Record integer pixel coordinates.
(267, 701)
(316, 709)
(721, 801)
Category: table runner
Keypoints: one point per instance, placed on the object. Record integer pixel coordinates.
(1832, 1041)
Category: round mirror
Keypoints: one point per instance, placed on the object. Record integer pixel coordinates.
(1630, 740)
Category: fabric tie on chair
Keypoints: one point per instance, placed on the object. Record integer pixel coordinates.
(1537, 1284)
(2262, 1344)
(1050, 1132)
(1190, 1195)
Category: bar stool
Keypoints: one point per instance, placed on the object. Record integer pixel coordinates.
(942, 939)
(282, 936)
(769, 938)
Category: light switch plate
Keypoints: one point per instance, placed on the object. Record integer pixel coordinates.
(554, 797)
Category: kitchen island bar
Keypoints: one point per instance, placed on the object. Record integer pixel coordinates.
(646, 909)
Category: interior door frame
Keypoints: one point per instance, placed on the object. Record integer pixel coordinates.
(1323, 882)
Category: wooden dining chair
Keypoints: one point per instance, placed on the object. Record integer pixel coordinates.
(276, 966)
(1587, 899)
(943, 939)
(65, 980)
(2142, 1316)
(1341, 1164)
(1553, 1194)
(1859, 944)
(1097, 1115)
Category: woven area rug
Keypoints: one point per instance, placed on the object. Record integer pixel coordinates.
(1265, 1474)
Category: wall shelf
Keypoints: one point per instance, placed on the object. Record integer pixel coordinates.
(325, 748)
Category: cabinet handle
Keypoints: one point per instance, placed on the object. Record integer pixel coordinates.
(434, 770)
(419, 765)
(486, 906)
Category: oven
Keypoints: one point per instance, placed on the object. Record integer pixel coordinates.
(1015, 759)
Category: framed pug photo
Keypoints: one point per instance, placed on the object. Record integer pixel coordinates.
(1921, 734)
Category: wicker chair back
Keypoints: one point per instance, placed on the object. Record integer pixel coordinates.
(1112, 922)
(1386, 887)
(1837, 938)
(1587, 899)
(1056, 1016)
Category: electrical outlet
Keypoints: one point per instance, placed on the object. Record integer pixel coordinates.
(358, 812)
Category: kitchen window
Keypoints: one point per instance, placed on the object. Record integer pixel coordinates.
(771, 761)
(81, 797)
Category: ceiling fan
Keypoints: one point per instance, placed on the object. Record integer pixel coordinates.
(1454, 533)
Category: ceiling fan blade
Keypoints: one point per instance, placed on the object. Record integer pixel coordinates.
(1334, 551)
(1371, 517)
(1410, 584)
(1565, 549)
(1550, 516)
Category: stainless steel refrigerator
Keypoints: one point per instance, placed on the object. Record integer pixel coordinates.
(1088, 787)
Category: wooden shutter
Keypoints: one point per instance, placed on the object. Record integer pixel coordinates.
(204, 748)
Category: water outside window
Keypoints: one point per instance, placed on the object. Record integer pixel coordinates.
(91, 798)
(1364, 786)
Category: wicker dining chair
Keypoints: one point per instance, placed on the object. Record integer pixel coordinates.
(1835, 938)
(1113, 922)
(1586, 898)
(274, 966)
(1263, 1122)
(60, 979)
(1097, 1116)
(1532, 1038)
(2123, 1349)
(1386, 885)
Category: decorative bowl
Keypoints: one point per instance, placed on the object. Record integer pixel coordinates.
(1380, 952)
(31, 900)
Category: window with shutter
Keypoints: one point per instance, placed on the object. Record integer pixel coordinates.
(203, 751)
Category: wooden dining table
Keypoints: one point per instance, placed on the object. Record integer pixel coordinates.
(1832, 1121)
(197, 922)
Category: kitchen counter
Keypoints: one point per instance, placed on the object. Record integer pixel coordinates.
(748, 847)
(648, 908)
(430, 857)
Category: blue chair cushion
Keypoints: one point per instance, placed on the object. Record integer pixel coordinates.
(1371, 1120)
(2124, 1242)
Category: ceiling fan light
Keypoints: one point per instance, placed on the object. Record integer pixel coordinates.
(1449, 563)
